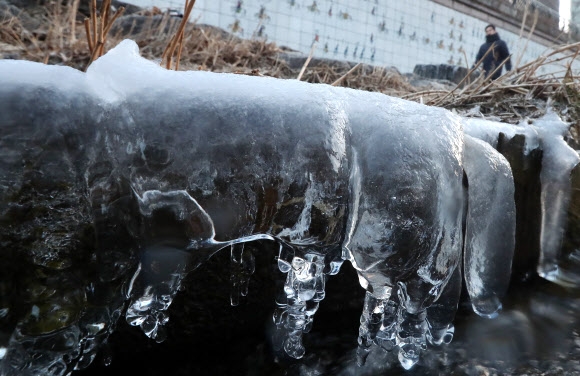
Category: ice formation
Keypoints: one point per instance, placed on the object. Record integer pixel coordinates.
(558, 160)
(491, 205)
(181, 165)
(176, 236)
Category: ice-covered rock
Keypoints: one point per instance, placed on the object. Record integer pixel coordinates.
(491, 226)
(558, 159)
(137, 175)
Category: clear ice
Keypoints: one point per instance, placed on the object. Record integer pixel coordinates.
(490, 226)
(303, 291)
(558, 160)
(176, 237)
(185, 164)
(404, 233)
(243, 265)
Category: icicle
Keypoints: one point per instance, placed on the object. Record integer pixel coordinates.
(285, 257)
(158, 288)
(371, 321)
(440, 314)
(177, 236)
(490, 226)
(387, 333)
(303, 290)
(167, 233)
(242, 268)
(411, 339)
(558, 160)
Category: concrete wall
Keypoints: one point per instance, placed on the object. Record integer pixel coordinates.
(509, 15)
(380, 32)
(575, 11)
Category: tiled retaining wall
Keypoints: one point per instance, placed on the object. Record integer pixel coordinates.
(380, 32)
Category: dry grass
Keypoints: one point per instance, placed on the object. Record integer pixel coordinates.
(165, 38)
(521, 93)
(524, 81)
(57, 40)
(62, 39)
(365, 77)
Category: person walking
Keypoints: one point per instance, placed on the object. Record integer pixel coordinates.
(498, 54)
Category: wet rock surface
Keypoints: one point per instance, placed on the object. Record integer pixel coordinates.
(452, 73)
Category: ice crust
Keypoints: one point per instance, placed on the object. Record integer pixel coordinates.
(488, 131)
(558, 159)
(488, 252)
(190, 163)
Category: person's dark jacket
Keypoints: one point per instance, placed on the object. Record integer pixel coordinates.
(495, 57)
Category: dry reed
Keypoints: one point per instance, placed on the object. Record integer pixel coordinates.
(97, 28)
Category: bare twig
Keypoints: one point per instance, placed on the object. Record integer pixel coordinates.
(521, 53)
(94, 21)
(170, 49)
(466, 76)
(73, 9)
(101, 26)
(310, 54)
(335, 83)
(89, 36)
(179, 51)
